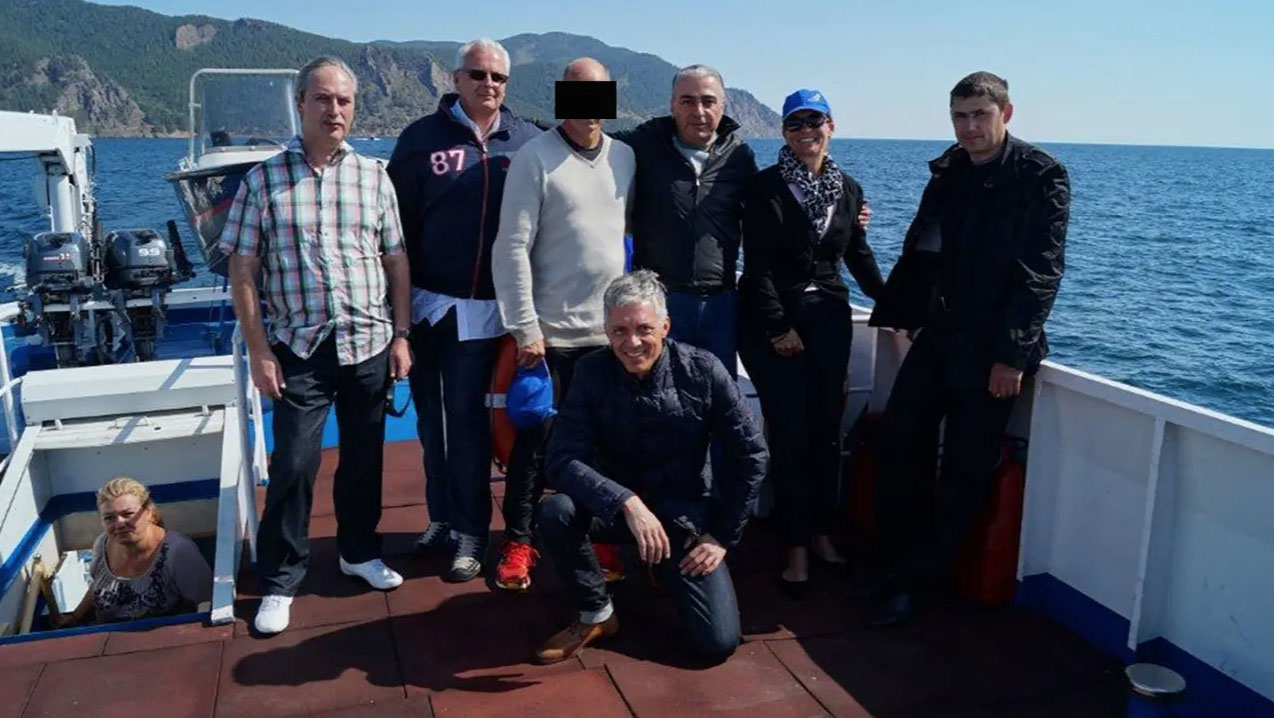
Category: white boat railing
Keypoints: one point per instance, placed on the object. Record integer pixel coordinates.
(250, 404)
(1155, 511)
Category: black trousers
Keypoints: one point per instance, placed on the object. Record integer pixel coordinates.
(922, 515)
(802, 398)
(524, 484)
(707, 606)
(283, 545)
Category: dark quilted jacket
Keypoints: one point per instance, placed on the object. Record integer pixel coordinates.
(618, 435)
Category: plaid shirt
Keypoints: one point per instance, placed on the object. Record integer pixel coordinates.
(320, 235)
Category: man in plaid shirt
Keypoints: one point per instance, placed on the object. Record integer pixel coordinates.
(323, 224)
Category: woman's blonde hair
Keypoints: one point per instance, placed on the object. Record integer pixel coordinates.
(124, 486)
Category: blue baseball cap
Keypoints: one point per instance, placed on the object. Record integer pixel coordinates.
(805, 100)
(529, 401)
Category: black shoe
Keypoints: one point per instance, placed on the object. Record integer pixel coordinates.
(467, 563)
(437, 536)
(892, 610)
(794, 590)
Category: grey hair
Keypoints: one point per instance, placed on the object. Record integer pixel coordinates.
(697, 71)
(303, 78)
(640, 287)
(482, 43)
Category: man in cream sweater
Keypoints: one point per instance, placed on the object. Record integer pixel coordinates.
(560, 244)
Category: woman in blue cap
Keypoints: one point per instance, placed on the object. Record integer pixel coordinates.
(800, 222)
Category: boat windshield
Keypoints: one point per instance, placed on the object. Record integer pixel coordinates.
(242, 110)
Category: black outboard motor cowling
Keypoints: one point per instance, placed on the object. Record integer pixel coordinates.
(59, 262)
(136, 259)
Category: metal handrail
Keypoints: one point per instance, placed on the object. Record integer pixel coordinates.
(249, 400)
(6, 398)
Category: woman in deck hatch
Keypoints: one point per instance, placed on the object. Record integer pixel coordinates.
(139, 568)
(795, 325)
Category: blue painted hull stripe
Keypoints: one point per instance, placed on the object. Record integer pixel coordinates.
(139, 625)
(1209, 692)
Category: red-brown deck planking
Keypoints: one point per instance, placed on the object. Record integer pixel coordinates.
(433, 648)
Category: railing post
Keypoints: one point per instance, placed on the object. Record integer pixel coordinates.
(10, 416)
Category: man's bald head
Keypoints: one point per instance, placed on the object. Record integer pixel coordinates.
(585, 69)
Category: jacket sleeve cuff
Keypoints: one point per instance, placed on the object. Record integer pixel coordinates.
(527, 334)
(777, 327)
(726, 535)
(1010, 353)
(614, 501)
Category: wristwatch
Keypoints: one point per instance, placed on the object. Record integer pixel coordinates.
(402, 333)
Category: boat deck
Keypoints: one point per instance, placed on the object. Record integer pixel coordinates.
(433, 648)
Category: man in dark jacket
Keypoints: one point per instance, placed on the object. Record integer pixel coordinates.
(980, 268)
(627, 459)
(448, 169)
(692, 167)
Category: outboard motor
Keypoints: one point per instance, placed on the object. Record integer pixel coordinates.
(59, 262)
(98, 301)
(62, 269)
(137, 263)
(137, 260)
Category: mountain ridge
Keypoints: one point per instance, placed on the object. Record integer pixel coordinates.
(124, 71)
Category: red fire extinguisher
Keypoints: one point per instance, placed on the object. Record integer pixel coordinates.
(986, 567)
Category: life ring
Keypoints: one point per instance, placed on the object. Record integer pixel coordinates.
(502, 430)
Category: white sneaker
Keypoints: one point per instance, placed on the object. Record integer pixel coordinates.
(374, 572)
(274, 614)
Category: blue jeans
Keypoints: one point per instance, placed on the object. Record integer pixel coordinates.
(707, 605)
(708, 322)
(449, 378)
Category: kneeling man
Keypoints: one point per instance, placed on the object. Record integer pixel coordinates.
(627, 459)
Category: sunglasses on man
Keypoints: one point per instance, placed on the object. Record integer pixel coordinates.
(481, 76)
(389, 400)
(796, 124)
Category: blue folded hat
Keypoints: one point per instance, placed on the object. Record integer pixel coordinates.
(529, 401)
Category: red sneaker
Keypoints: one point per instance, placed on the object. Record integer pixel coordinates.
(612, 561)
(514, 571)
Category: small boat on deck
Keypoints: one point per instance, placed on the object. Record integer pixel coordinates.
(238, 117)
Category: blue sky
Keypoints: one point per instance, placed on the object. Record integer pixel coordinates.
(1120, 71)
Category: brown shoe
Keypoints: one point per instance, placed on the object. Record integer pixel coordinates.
(571, 640)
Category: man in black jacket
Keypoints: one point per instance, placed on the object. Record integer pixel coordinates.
(692, 168)
(448, 169)
(627, 459)
(980, 268)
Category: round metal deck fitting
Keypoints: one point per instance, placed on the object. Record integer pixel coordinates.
(1154, 681)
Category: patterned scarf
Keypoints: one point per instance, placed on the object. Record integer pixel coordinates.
(820, 191)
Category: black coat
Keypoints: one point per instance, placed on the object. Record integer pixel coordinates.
(686, 228)
(984, 261)
(783, 253)
(449, 189)
(618, 435)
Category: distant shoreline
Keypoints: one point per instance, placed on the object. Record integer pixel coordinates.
(382, 138)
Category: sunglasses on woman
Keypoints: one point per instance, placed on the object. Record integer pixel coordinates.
(796, 124)
(481, 76)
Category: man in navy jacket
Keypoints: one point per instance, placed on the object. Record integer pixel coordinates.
(627, 460)
(448, 169)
